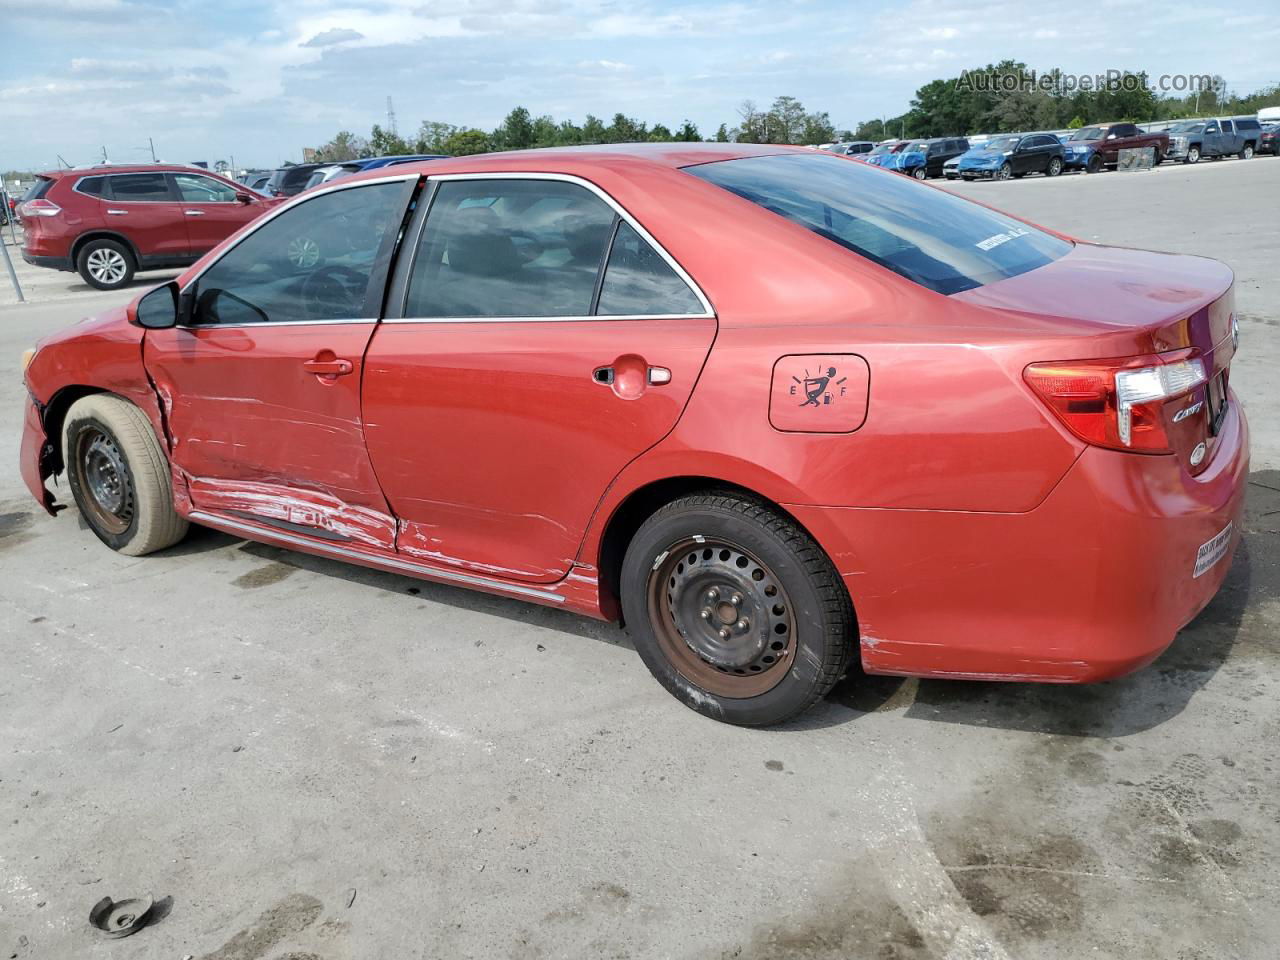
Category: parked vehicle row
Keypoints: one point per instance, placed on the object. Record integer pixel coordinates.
(1091, 149)
(108, 221)
(737, 436)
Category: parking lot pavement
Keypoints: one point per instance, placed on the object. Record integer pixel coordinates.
(42, 285)
(264, 736)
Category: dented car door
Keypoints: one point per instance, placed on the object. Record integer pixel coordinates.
(535, 343)
(260, 382)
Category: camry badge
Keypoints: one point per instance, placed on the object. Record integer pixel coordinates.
(1197, 454)
(1188, 411)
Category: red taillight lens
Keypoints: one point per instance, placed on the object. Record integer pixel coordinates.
(40, 208)
(1117, 403)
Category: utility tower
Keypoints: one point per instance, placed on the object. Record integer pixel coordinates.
(391, 116)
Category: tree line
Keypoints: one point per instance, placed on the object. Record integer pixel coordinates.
(991, 99)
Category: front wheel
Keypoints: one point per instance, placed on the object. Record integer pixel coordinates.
(105, 264)
(119, 476)
(735, 609)
(1005, 171)
(1193, 155)
(1054, 168)
(1094, 165)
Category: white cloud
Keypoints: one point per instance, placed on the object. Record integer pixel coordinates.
(332, 37)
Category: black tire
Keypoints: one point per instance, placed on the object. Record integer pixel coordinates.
(1193, 154)
(1005, 171)
(797, 629)
(1156, 157)
(106, 264)
(1246, 152)
(119, 476)
(1054, 168)
(919, 173)
(1095, 164)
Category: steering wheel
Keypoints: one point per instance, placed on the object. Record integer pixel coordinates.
(334, 290)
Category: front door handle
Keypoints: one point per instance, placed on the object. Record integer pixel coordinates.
(117, 213)
(194, 213)
(326, 366)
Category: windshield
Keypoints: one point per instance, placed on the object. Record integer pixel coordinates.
(1001, 143)
(920, 146)
(883, 148)
(1089, 133)
(1187, 128)
(931, 237)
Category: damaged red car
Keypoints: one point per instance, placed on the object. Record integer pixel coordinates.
(774, 409)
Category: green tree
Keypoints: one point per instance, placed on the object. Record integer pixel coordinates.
(688, 133)
(625, 130)
(465, 143)
(751, 124)
(722, 134)
(818, 128)
(384, 143)
(660, 134)
(516, 132)
(593, 131)
(343, 147)
(785, 121)
(432, 136)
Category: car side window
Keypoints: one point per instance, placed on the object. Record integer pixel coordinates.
(92, 186)
(134, 187)
(509, 248)
(639, 282)
(197, 189)
(312, 262)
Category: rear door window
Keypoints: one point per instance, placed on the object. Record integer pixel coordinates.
(930, 237)
(639, 282)
(135, 187)
(509, 248)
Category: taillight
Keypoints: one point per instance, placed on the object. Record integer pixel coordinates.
(1117, 403)
(40, 208)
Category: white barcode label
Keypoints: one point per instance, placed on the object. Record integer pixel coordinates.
(1212, 551)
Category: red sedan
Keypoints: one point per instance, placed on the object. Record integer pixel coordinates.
(773, 408)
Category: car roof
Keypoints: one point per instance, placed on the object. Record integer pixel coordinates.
(105, 168)
(581, 160)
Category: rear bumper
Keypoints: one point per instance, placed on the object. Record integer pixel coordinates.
(55, 263)
(36, 456)
(1092, 584)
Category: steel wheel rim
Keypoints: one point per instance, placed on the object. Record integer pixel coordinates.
(700, 589)
(106, 265)
(303, 252)
(106, 482)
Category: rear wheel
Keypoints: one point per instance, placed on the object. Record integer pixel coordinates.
(735, 609)
(119, 476)
(918, 173)
(1054, 168)
(105, 264)
(1246, 152)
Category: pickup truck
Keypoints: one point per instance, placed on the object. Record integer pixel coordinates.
(1215, 137)
(1097, 146)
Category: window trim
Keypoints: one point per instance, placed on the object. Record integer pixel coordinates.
(401, 284)
(256, 225)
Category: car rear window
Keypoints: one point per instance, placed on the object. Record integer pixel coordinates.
(1247, 125)
(38, 189)
(931, 237)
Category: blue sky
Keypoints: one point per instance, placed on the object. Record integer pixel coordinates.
(259, 81)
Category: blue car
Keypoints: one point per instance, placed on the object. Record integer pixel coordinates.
(1078, 151)
(1013, 155)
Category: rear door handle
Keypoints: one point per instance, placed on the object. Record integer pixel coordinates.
(329, 367)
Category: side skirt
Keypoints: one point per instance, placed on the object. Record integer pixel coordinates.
(579, 591)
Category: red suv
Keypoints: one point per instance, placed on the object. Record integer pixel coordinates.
(107, 222)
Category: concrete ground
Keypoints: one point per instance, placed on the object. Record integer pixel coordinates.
(318, 761)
